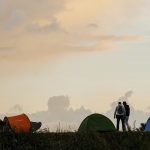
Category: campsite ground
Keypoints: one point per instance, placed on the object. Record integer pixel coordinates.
(77, 141)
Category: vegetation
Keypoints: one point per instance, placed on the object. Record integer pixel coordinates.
(76, 141)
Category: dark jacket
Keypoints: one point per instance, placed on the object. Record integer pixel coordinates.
(127, 108)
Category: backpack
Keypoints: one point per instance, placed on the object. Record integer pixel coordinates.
(120, 110)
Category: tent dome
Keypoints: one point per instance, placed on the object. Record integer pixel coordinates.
(147, 127)
(96, 123)
(19, 123)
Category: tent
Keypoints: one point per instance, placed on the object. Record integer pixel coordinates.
(21, 123)
(147, 127)
(96, 123)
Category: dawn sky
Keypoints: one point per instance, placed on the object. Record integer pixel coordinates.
(92, 51)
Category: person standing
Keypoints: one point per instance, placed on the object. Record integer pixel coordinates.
(120, 114)
(127, 108)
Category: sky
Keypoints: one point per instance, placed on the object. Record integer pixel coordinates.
(89, 52)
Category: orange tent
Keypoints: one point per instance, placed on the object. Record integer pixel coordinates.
(19, 123)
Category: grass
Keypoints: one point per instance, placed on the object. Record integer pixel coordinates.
(76, 141)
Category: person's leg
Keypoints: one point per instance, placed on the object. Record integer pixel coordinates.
(127, 124)
(123, 123)
(118, 121)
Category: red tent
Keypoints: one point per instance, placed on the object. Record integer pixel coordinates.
(19, 123)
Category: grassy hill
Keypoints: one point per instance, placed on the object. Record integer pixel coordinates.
(76, 141)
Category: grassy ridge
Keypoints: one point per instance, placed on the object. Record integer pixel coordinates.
(77, 141)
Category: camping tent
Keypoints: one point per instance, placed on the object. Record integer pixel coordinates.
(21, 123)
(147, 127)
(96, 122)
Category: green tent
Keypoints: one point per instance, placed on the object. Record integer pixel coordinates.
(96, 123)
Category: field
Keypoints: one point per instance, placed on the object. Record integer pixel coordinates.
(76, 141)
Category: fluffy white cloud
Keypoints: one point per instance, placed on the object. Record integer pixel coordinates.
(59, 111)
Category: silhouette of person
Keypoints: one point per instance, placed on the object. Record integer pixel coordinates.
(127, 108)
(120, 114)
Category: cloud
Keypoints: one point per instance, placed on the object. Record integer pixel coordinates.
(59, 111)
(58, 103)
(126, 96)
(34, 9)
(51, 26)
(42, 29)
(16, 18)
(108, 14)
(6, 49)
(16, 109)
(1, 4)
(123, 38)
(103, 42)
(93, 25)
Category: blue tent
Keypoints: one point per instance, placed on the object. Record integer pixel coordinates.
(147, 127)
